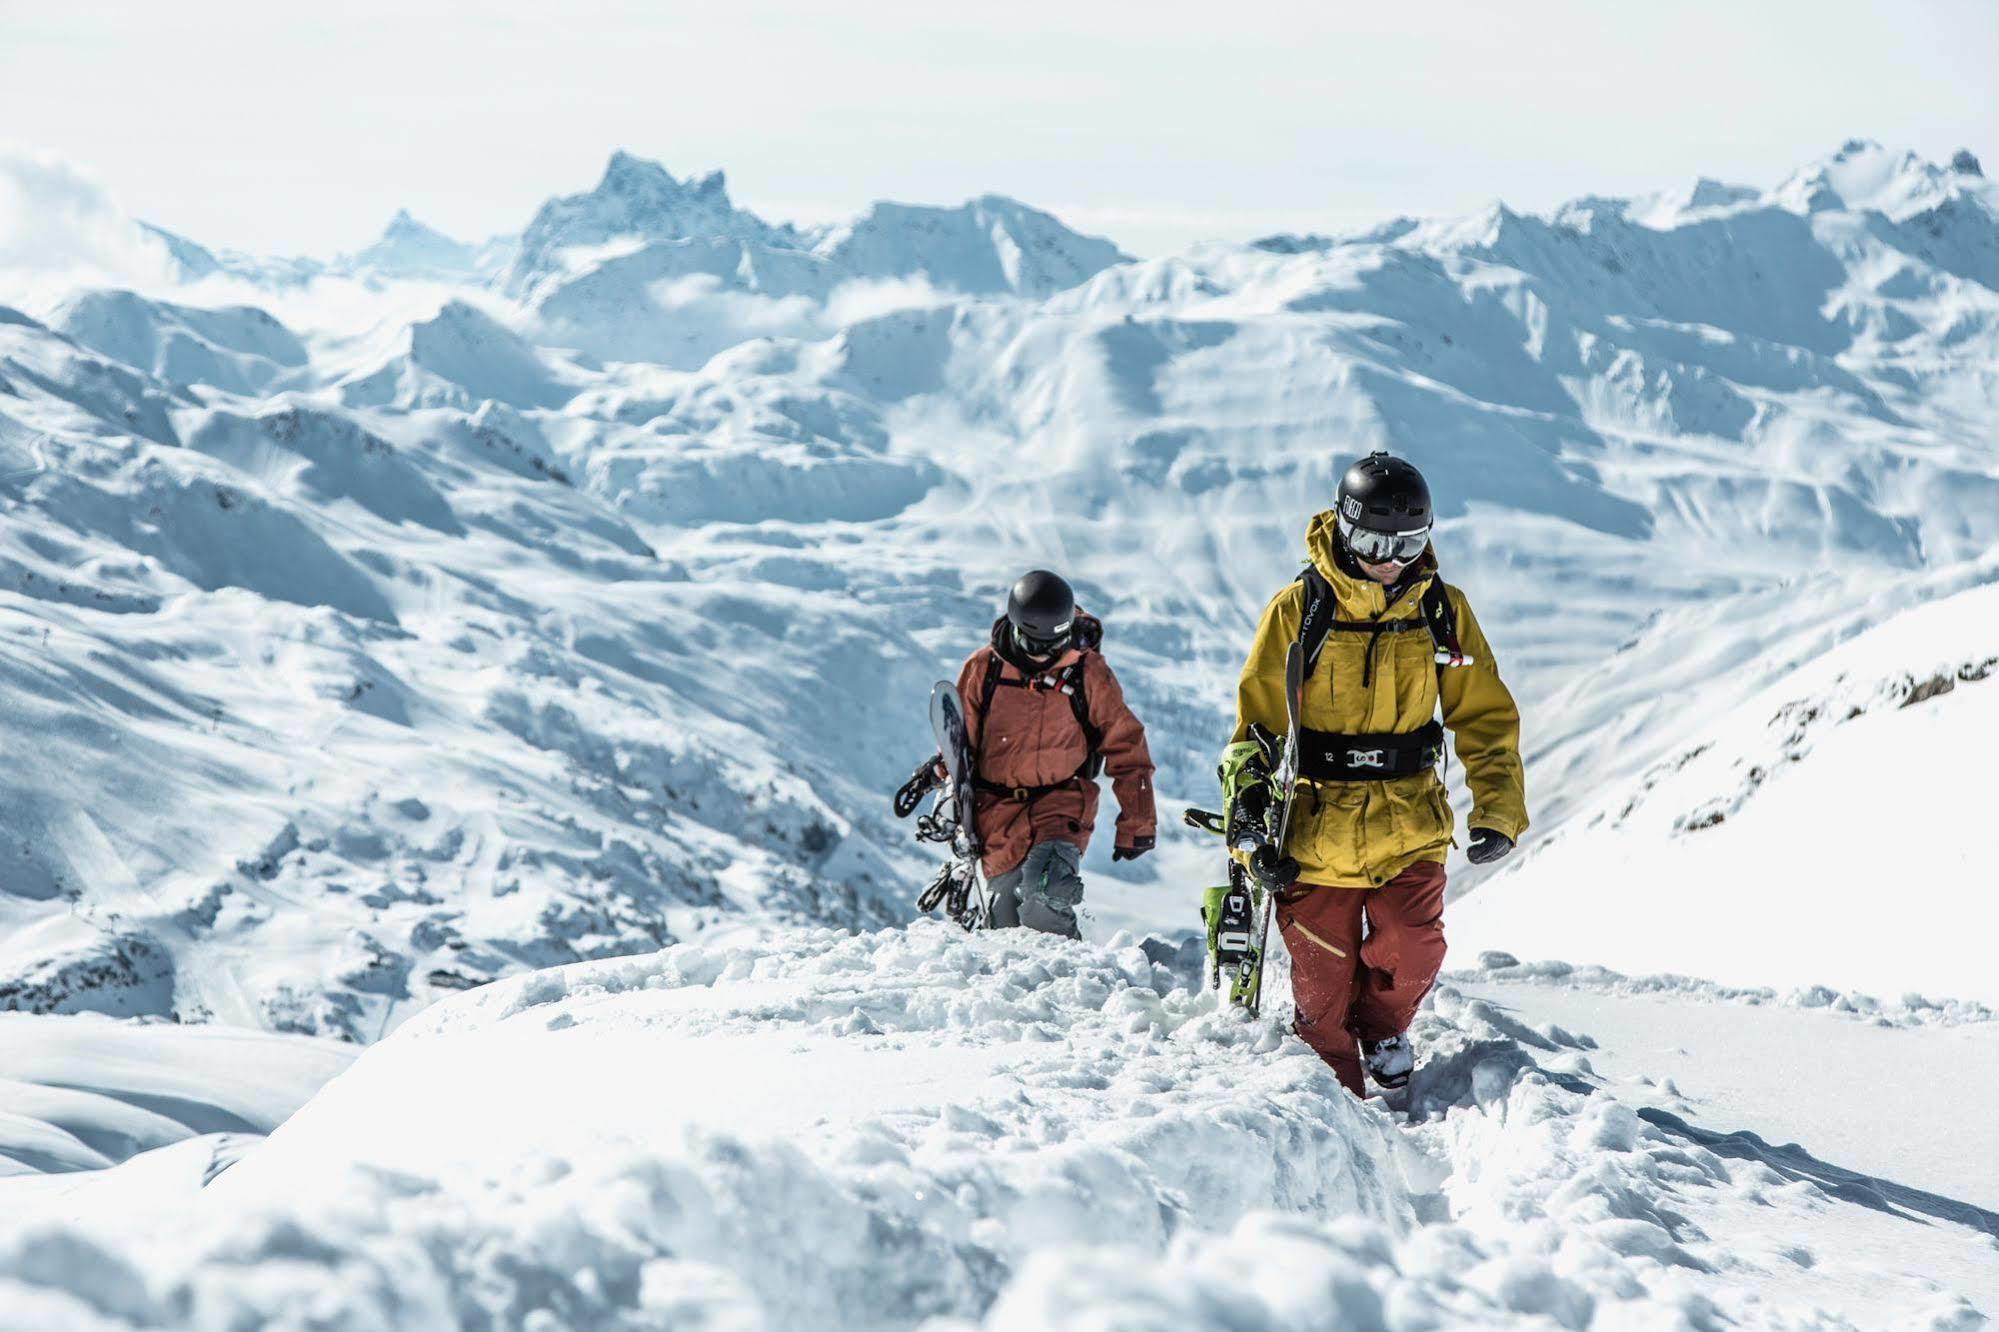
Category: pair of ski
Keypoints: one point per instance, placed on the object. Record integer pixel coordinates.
(1237, 914)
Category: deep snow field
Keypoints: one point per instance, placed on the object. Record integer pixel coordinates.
(548, 619)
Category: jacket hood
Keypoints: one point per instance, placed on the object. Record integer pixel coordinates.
(1359, 596)
(1086, 636)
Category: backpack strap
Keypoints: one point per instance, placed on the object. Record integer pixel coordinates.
(1070, 681)
(1316, 621)
(1079, 703)
(1442, 619)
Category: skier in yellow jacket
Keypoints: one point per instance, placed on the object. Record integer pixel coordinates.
(1387, 644)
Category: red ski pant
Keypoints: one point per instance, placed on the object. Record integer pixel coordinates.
(1350, 989)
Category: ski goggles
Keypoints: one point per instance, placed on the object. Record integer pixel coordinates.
(1035, 645)
(1372, 547)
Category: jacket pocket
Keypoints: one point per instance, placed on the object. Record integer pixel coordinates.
(1419, 817)
(1441, 800)
(1327, 836)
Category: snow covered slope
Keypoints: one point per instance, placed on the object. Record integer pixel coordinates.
(364, 638)
(79, 1095)
(1831, 830)
(1012, 1132)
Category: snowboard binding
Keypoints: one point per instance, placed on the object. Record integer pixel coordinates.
(1231, 912)
(952, 890)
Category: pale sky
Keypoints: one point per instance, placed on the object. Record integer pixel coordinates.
(289, 128)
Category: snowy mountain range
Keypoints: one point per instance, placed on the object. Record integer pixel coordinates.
(380, 627)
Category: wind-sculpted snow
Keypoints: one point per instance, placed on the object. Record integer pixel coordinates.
(919, 1127)
(80, 1094)
(1909, 1010)
(1779, 831)
(629, 570)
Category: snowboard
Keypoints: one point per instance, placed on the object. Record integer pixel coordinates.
(956, 888)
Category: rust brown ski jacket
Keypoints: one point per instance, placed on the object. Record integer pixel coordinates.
(1031, 750)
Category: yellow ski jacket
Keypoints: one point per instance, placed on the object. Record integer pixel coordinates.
(1361, 834)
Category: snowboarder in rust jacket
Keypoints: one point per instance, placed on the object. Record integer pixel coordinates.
(1396, 647)
(1044, 714)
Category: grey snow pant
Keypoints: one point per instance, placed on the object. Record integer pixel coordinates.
(1042, 891)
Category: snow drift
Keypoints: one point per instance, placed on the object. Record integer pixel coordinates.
(923, 1128)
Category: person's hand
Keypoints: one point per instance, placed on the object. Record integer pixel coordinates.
(1273, 871)
(1139, 846)
(1487, 846)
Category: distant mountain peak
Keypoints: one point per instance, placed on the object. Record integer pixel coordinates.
(636, 198)
(647, 184)
(413, 249)
(989, 244)
(403, 223)
(1864, 176)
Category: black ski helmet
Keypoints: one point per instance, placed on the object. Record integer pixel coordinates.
(1384, 509)
(1042, 610)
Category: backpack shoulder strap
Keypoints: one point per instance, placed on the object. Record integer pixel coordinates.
(1315, 621)
(991, 686)
(1442, 620)
(1079, 702)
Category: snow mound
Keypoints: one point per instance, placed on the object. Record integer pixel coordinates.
(1909, 1010)
(1753, 829)
(815, 1129)
(80, 1094)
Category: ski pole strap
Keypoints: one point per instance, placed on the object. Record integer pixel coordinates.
(1326, 756)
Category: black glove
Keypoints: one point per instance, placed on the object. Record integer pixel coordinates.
(1487, 846)
(1139, 846)
(928, 775)
(1273, 871)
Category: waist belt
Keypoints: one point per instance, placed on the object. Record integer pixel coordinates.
(1325, 756)
(1092, 765)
